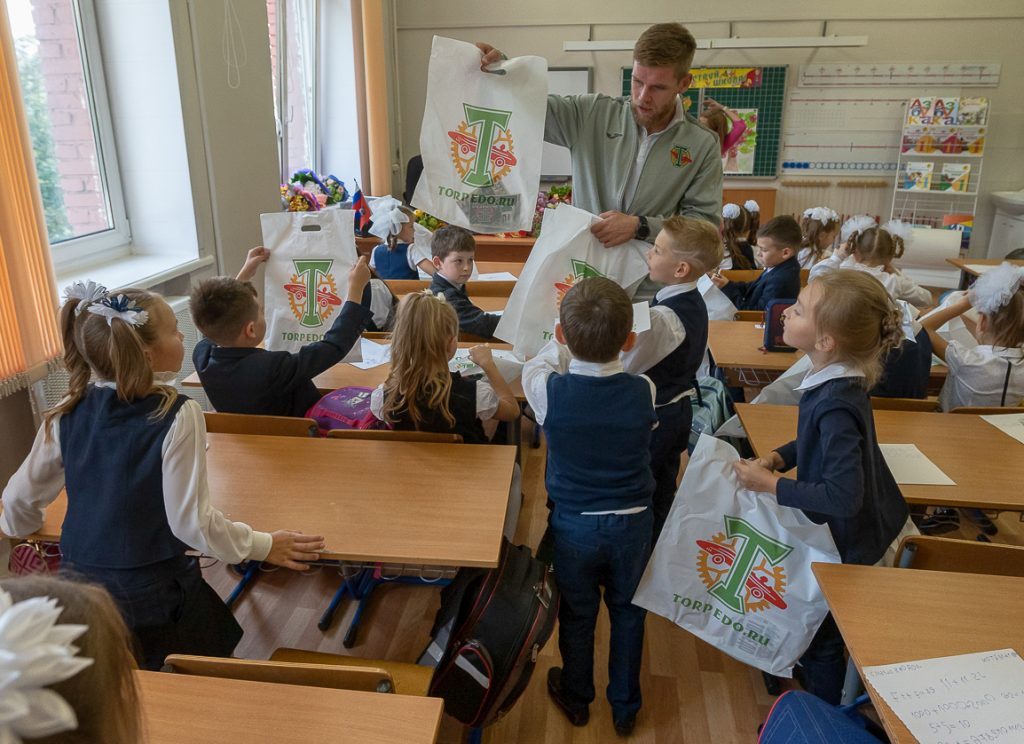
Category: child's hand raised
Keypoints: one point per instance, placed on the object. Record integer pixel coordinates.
(481, 355)
(358, 276)
(288, 548)
(717, 279)
(253, 259)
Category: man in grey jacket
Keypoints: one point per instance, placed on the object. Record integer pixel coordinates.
(639, 159)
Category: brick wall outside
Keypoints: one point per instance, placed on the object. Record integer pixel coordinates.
(75, 144)
(295, 112)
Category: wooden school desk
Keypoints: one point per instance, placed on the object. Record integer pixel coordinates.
(967, 276)
(395, 502)
(986, 464)
(893, 615)
(206, 710)
(735, 347)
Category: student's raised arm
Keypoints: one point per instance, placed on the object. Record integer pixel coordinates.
(933, 322)
(554, 358)
(253, 259)
(508, 407)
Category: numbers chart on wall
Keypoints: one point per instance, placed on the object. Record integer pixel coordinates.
(757, 95)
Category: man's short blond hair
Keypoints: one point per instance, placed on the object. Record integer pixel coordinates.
(695, 241)
(666, 45)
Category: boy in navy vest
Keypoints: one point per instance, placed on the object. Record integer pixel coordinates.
(597, 420)
(453, 249)
(778, 243)
(240, 377)
(671, 352)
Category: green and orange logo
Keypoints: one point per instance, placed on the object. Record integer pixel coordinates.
(680, 156)
(580, 270)
(482, 148)
(740, 567)
(312, 291)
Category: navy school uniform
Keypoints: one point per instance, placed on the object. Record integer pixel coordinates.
(782, 282)
(471, 318)
(242, 379)
(394, 263)
(906, 369)
(674, 376)
(598, 431)
(844, 482)
(461, 403)
(116, 531)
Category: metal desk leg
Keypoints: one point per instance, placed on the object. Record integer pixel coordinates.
(852, 686)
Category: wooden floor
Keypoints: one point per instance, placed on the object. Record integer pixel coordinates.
(692, 693)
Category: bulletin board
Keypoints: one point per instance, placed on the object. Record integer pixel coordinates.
(758, 95)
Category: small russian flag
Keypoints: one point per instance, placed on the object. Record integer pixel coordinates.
(362, 209)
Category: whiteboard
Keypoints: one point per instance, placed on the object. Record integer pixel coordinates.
(563, 81)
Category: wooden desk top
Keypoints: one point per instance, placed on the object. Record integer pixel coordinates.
(396, 502)
(494, 267)
(986, 464)
(961, 263)
(893, 615)
(207, 710)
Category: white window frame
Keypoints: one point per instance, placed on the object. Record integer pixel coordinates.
(115, 241)
(282, 89)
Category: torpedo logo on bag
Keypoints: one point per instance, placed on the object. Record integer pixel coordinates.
(741, 567)
(580, 270)
(481, 146)
(312, 291)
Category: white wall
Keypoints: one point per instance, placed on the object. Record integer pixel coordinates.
(910, 31)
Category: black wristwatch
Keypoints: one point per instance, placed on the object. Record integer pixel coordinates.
(643, 230)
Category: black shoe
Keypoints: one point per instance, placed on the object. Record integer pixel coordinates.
(941, 522)
(578, 716)
(624, 726)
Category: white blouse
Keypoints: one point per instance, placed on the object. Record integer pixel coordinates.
(976, 376)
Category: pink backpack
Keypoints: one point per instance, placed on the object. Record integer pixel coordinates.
(345, 408)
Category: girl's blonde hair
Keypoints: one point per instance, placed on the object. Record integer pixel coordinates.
(876, 245)
(419, 380)
(103, 694)
(735, 229)
(112, 351)
(854, 309)
(1006, 325)
(813, 231)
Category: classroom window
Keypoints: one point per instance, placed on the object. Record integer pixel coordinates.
(294, 49)
(65, 101)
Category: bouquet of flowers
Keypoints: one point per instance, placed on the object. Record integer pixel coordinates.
(294, 198)
(558, 194)
(330, 190)
(428, 221)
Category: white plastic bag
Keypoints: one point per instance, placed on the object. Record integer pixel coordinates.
(734, 568)
(565, 252)
(306, 275)
(481, 139)
(720, 307)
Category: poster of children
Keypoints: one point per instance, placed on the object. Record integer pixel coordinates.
(739, 157)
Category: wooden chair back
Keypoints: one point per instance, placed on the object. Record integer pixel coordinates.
(755, 316)
(924, 405)
(987, 410)
(389, 435)
(246, 423)
(741, 275)
(930, 553)
(805, 274)
(338, 677)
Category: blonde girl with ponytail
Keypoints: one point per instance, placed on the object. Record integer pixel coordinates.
(131, 454)
(846, 323)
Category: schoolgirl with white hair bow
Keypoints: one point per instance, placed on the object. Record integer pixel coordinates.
(739, 254)
(991, 373)
(872, 249)
(393, 224)
(820, 226)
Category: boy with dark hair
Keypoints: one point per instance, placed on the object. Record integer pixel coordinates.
(597, 420)
(778, 243)
(671, 351)
(240, 377)
(453, 248)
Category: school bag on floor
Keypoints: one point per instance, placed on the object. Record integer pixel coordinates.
(487, 634)
(345, 408)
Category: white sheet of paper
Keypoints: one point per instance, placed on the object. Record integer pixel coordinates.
(1008, 423)
(499, 313)
(497, 276)
(374, 354)
(506, 362)
(966, 698)
(979, 268)
(641, 317)
(911, 467)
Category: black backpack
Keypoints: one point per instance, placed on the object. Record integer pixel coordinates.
(487, 634)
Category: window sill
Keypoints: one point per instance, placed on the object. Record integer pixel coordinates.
(140, 271)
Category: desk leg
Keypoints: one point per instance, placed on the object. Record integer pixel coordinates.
(476, 736)
(852, 686)
(252, 569)
(328, 615)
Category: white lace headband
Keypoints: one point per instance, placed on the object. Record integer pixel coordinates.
(119, 306)
(856, 224)
(996, 287)
(731, 211)
(35, 652)
(824, 215)
(388, 217)
(751, 206)
(85, 292)
(900, 229)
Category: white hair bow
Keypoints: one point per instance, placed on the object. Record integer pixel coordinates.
(731, 211)
(821, 214)
(35, 652)
(85, 292)
(119, 306)
(751, 206)
(388, 217)
(856, 224)
(901, 229)
(996, 287)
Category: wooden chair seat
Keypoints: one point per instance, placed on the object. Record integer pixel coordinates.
(755, 316)
(245, 423)
(409, 679)
(389, 435)
(342, 675)
(930, 553)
